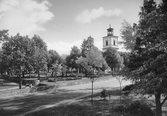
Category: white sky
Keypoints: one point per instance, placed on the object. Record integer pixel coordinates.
(65, 23)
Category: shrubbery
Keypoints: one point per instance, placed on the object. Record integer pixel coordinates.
(128, 87)
(42, 87)
(103, 94)
(136, 108)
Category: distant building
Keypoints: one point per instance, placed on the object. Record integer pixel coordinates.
(110, 40)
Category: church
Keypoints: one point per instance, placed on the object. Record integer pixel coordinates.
(110, 40)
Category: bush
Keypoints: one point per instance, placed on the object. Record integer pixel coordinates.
(42, 87)
(30, 81)
(103, 94)
(128, 87)
(51, 80)
(134, 108)
(81, 75)
(138, 107)
(73, 75)
(119, 108)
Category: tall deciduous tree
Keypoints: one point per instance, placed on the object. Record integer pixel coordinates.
(113, 59)
(86, 45)
(91, 60)
(40, 56)
(128, 35)
(53, 57)
(17, 53)
(71, 59)
(148, 60)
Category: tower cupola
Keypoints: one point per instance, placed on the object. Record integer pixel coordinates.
(110, 31)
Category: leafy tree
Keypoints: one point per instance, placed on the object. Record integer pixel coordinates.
(71, 59)
(86, 45)
(16, 54)
(113, 59)
(148, 60)
(3, 35)
(92, 60)
(53, 57)
(125, 56)
(56, 70)
(39, 59)
(128, 35)
(116, 62)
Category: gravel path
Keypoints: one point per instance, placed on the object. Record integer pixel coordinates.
(99, 85)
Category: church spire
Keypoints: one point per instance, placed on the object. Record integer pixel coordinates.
(110, 31)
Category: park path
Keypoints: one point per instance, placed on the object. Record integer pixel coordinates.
(29, 103)
(102, 84)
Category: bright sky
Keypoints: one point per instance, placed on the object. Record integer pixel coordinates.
(65, 23)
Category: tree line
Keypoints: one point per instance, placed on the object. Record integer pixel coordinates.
(22, 55)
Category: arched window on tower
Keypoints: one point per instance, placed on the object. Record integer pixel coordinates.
(106, 42)
(114, 43)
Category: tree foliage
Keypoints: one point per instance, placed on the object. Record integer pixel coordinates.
(91, 55)
(21, 54)
(53, 58)
(113, 59)
(148, 60)
(3, 35)
(87, 45)
(128, 35)
(71, 59)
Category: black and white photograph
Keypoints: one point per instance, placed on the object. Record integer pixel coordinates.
(83, 57)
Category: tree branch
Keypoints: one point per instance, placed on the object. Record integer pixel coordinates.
(164, 100)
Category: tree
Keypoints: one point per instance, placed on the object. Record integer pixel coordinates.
(113, 59)
(53, 57)
(16, 54)
(86, 45)
(56, 70)
(71, 59)
(116, 62)
(148, 60)
(92, 60)
(3, 35)
(128, 35)
(39, 59)
(125, 56)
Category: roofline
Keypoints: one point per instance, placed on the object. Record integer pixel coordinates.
(111, 36)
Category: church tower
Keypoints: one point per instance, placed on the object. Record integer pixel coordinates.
(110, 40)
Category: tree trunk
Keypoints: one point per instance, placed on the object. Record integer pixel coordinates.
(23, 74)
(92, 94)
(55, 78)
(30, 74)
(20, 81)
(77, 71)
(52, 73)
(120, 91)
(158, 104)
(38, 75)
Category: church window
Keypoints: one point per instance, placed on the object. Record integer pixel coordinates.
(106, 42)
(114, 43)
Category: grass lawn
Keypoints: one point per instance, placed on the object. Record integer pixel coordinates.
(7, 84)
(85, 108)
(99, 108)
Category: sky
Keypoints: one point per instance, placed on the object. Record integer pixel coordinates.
(65, 23)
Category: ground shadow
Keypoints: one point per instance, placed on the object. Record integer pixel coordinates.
(19, 105)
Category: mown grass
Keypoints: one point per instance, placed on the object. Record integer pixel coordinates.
(83, 108)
